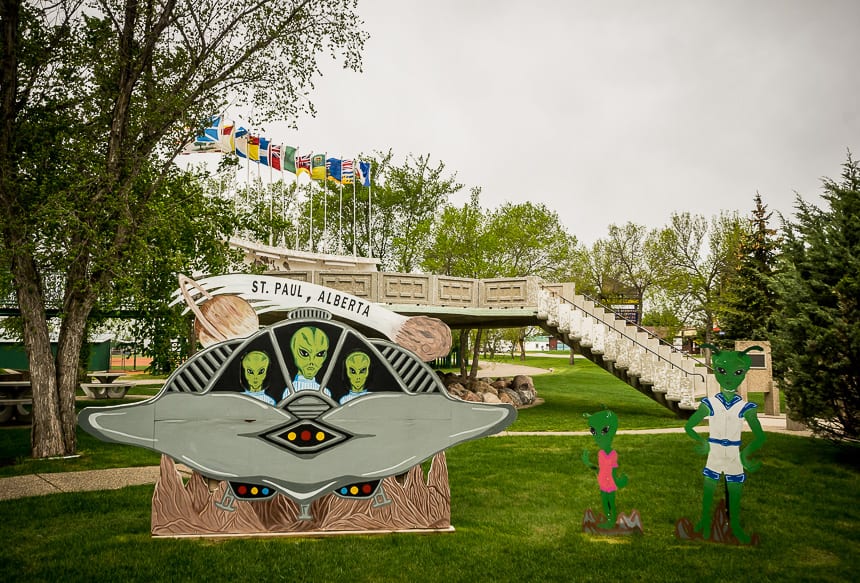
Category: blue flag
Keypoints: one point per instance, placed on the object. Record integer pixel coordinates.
(363, 173)
(333, 169)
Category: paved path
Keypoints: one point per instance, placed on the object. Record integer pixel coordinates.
(501, 369)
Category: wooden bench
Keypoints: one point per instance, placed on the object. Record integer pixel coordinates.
(105, 390)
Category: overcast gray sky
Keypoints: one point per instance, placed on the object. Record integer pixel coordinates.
(606, 111)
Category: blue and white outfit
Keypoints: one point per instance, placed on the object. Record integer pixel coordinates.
(261, 396)
(353, 395)
(301, 383)
(726, 423)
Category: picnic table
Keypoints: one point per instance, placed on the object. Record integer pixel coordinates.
(104, 376)
(104, 385)
(16, 399)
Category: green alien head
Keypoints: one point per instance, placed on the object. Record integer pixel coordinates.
(357, 368)
(255, 365)
(603, 426)
(731, 366)
(309, 346)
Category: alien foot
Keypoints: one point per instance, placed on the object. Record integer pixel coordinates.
(716, 530)
(596, 523)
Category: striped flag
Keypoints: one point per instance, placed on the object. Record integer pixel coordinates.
(347, 174)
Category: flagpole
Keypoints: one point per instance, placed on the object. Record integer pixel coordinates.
(296, 166)
(340, 214)
(311, 207)
(354, 238)
(369, 210)
(262, 192)
(325, 201)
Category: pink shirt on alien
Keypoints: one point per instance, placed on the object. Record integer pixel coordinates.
(606, 462)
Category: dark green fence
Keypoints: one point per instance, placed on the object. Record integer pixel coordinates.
(13, 355)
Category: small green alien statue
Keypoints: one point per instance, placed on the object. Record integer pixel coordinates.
(726, 413)
(603, 426)
(309, 346)
(357, 366)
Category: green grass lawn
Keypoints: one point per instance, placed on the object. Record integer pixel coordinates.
(571, 390)
(517, 507)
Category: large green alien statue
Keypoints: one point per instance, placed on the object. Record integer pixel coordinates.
(726, 412)
(357, 368)
(309, 346)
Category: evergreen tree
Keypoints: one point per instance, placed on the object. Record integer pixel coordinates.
(747, 297)
(816, 341)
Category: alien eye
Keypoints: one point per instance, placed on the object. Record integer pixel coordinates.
(304, 353)
(351, 370)
(593, 431)
(721, 370)
(364, 370)
(605, 430)
(739, 372)
(321, 354)
(261, 371)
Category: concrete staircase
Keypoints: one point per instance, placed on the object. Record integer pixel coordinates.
(629, 352)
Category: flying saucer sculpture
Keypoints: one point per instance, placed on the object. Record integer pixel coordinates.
(306, 408)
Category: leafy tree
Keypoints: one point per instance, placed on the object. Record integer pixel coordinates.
(747, 305)
(458, 244)
(700, 255)
(405, 205)
(638, 258)
(96, 99)
(816, 339)
(592, 268)
(664, 319)
(193, 240)
(528, 239)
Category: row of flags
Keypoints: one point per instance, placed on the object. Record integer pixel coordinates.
(224, 136)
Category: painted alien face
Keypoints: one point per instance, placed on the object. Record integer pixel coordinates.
(310, 349)
(255, 364)
(730, 368)
(603, 426)
(357, 369)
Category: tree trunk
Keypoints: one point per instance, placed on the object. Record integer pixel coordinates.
(464, 346)
(72, 336)
(46, 433)
(476, 351)
(53, 379)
